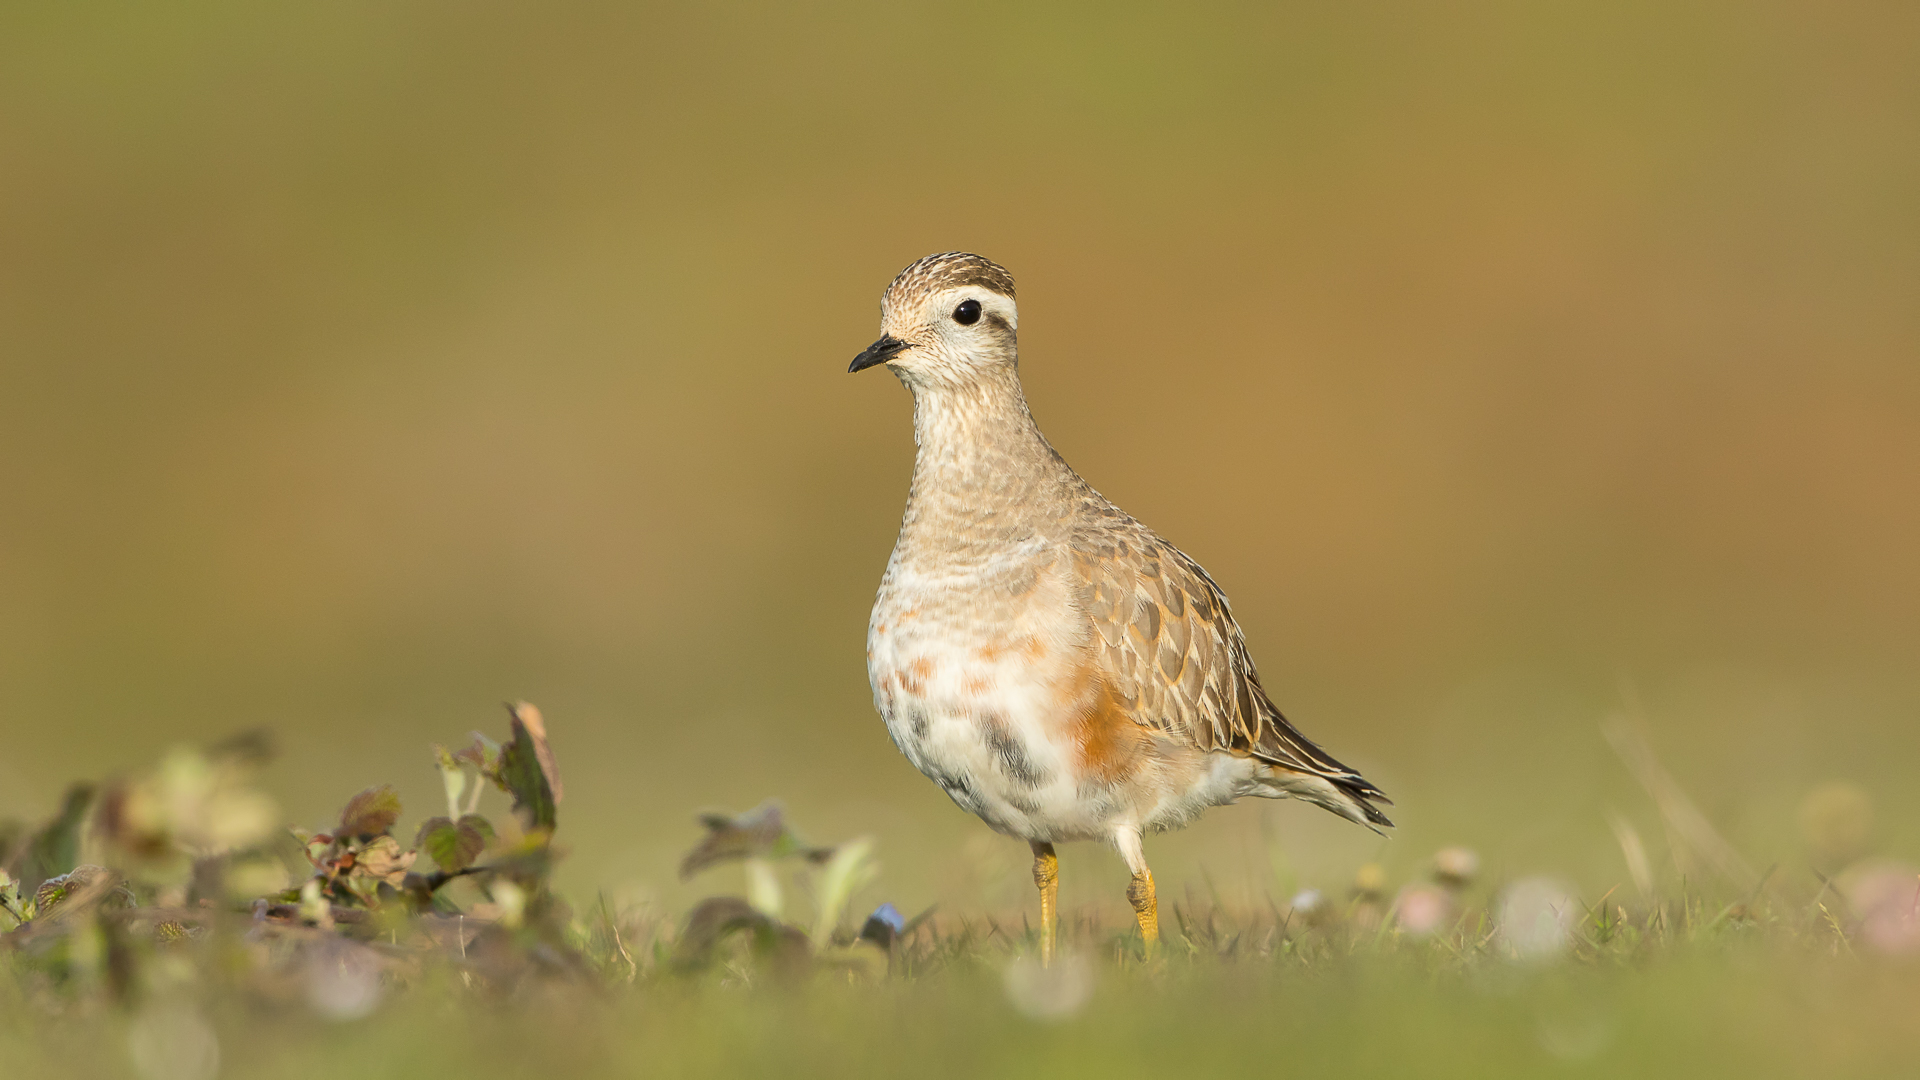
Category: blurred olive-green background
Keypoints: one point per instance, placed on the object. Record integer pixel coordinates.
(1510, 364)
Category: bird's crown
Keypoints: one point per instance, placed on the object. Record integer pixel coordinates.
(947, 270)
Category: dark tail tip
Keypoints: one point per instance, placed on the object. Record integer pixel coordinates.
(1364, 795)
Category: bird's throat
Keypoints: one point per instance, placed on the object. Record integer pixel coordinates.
(981, 466)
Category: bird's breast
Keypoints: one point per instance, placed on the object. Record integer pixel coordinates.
(982, 634)
(978, 671)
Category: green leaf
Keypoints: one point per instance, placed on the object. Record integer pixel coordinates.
(371, 812)
(528, 771)
(55, 848)
(437, 839)
(452, 845)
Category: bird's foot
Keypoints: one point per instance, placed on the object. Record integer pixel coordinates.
(1046, 874)
(1146, 909)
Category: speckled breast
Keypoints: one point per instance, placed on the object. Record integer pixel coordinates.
(975, 671)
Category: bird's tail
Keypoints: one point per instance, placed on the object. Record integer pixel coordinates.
(1297, 766)
(1347, 793)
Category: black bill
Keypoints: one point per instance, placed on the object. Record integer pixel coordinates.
(879, 352)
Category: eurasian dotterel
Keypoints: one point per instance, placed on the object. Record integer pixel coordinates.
(1057, 668)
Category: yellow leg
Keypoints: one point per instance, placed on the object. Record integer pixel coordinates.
(1046, 874)
(1145, 908)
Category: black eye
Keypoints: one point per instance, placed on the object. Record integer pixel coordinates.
(967, 313)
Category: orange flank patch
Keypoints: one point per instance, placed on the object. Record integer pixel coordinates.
(1032, 647)
(991, 651)
(978, 684)
(1112, 746)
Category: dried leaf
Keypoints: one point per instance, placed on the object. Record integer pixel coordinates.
(253, 748)
(761, 832)
(371, 812)
(81, 886)
(382, 858)
(378, 862)
(483, 754)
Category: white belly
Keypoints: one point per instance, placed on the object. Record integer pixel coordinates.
(976, 673)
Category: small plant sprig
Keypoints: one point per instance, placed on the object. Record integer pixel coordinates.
(360, 865)
(760, 839)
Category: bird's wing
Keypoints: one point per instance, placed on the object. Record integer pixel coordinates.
(1174, 658)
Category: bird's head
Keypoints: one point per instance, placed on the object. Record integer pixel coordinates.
(947, 320)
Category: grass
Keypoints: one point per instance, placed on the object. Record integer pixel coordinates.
(373, 967)
(1753, 1000)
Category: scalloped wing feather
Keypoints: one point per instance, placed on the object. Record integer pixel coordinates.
(1175, 660)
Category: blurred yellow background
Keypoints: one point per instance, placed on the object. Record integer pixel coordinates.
(363, 365)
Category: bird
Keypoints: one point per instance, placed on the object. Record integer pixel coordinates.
(1057, 668)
